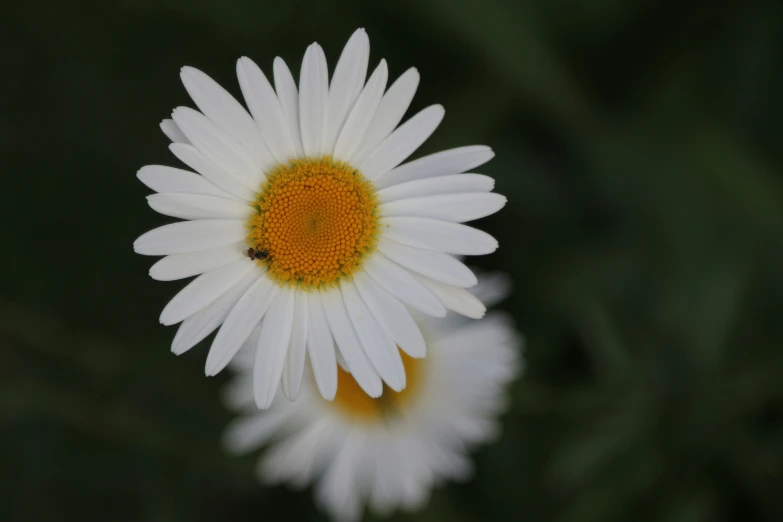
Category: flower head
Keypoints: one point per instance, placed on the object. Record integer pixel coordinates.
(302, 223)
(391, 450)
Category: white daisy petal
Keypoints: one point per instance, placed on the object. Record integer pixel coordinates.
(180, 266)
(267, 112)
(341, 361)
(234, 394)
(172, 132)
(272, 347)
(393, 315)
(402, 142)
(390, 111)
(349, 344)
(197, 206)
(452, 161)
(296, 459)
(350, 139)
(378, 346)
(169, 179)
(297, 350)
(190, 156)
(493, 288)
(190, 236)
(435, 265)
(320, 347)
(431, 234)
(457, 208)
(247, 434)
(218, 147)
(495, 329)
(338, 492)
(313, 100)
(402, 285)
(453, 184)
(204, 290)
(456, 299)
(223, 109)
(287, 93)
(245, 315)
(382, 495)
(347, 82)
(197, 327)
(391, 451)
(245, 358)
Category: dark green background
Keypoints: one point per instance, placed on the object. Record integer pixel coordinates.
(638, 142)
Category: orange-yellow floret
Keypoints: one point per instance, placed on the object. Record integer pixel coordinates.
(353, 402)
(317, 219)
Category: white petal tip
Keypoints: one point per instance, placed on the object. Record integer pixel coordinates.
(179, 111)
(397, 387)
(211, 368)
(290, 395)
(476, 314)
(167, 320)
(440, 312)
(376, 389)
(263, 403)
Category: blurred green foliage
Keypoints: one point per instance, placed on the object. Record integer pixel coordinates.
(638, 142)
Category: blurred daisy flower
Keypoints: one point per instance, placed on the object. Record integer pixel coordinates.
(388, 451)
(301, 218)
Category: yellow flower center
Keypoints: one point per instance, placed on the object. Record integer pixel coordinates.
(353, 402)
(315, 220)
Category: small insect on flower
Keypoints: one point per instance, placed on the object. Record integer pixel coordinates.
(252, 253)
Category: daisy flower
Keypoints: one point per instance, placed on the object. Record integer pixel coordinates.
(300, 217)
(390, 451)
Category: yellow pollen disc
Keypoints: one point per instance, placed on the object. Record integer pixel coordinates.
(316, 219)
(353, 402)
